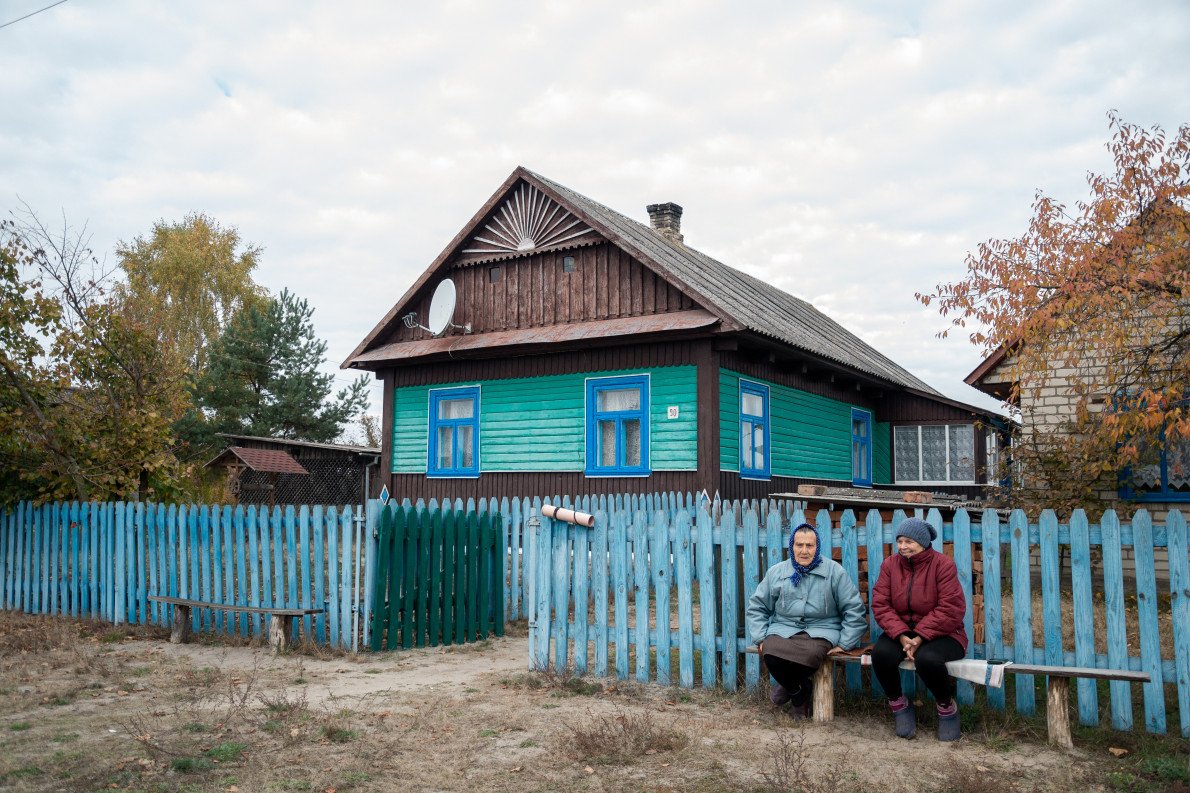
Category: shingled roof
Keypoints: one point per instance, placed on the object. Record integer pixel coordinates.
(265, 460)
(741, 301)
(750, 302)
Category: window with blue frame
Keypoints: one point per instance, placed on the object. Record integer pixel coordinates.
(754, 431)
(861, 448)
(618, 426)
(1163, 473)
(454, 432)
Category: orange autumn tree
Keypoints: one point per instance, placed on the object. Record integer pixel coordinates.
(1091, 306)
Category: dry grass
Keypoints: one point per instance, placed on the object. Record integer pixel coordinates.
(622, 736)
(793, 769)
(147, 716)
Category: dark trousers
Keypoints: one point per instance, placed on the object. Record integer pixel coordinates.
(930, 659)
(796, 678)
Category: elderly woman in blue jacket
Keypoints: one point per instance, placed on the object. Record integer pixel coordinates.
(805, 608)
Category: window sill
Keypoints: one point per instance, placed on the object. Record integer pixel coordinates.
(617, 474)
(953, 482)
(1157, 498)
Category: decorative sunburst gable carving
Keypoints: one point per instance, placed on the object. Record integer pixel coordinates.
(527, 220)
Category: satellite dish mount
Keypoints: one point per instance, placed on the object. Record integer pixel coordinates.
(442, 308)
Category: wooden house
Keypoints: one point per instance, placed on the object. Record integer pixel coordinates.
(588, 352)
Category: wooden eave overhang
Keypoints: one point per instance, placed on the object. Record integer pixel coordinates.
(1001, 390)
(810, 363)
(524, 340)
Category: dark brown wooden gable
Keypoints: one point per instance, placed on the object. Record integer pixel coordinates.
(534, 290)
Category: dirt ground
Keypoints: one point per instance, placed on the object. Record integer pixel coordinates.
(87, 707)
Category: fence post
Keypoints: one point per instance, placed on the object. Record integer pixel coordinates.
(849, 557)
(1146, 612)
(963, 563)
(662, 573)
(683, 554)
(1084, 615)
(1179, 585)
(1113, 596)
(618, 542)
(1022, 611)
(730, 599)
(751, 580)
(640, 572)
(992, 605)
(705, 561)
(543, 543)
(365, 545)
(599, 583)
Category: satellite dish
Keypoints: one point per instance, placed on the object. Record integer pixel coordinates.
(442, 307)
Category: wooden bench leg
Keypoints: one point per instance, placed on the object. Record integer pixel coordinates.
(279, 632)
(180, 632)
(1057, 712)
(824, 692)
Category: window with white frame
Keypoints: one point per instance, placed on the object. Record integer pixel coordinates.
(454, 432)
(618, 426)
(934, 454)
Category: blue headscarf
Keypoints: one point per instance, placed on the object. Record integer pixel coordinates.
(800, 570)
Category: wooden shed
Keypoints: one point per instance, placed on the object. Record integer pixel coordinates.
(282, 471)
(588, 352)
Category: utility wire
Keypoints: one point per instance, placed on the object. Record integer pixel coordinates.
(35, 13)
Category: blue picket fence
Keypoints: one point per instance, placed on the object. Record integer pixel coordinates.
(517, 539)
(103, 560)
(604, 599)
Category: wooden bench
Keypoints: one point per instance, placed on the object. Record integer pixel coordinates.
(281, 620)
(1057, 711)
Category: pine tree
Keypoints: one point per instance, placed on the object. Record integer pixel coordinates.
(263, 378)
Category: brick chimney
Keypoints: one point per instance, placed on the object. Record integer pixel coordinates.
(666, 219)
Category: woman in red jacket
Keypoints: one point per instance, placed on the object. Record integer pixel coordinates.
(918, 603)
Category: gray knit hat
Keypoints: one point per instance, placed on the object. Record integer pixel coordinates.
(917, 530)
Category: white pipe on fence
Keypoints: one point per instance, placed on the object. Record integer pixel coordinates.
(568, 515)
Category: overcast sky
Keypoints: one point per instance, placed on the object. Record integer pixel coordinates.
(850, 153)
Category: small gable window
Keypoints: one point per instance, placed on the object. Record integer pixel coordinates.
(454, 432)
(568, 264)
(617, 411)
(494, 275)
(754, 430)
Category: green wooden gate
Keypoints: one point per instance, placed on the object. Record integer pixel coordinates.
(439, 578)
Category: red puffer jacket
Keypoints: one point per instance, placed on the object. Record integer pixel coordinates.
(922, 595)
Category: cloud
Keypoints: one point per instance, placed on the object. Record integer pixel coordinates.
(849, 153)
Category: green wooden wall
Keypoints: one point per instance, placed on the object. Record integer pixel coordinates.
(882, 453)
(538, 423)
(810, 435)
